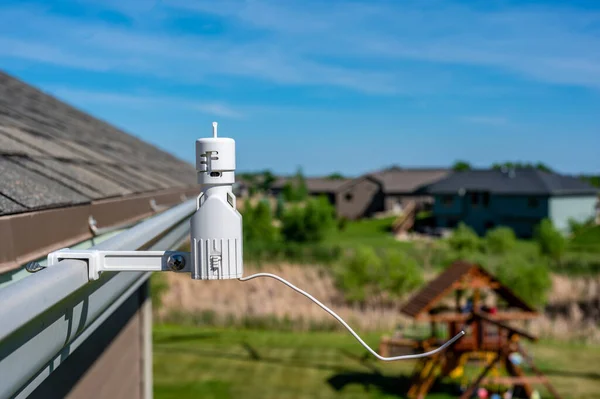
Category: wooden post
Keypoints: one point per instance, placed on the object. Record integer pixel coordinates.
(538, 372)
(471, 389)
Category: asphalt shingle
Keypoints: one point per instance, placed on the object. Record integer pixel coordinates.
(8, 206)
(521, 181)
(53, 154)
(33, 190)
(74, 176)
(9, 145)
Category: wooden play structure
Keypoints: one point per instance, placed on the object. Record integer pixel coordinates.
(466, 296)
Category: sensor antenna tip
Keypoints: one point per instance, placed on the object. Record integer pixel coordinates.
(214, 124)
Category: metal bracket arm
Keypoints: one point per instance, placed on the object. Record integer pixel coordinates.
(124, 261)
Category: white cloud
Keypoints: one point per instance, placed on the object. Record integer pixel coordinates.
(148, 100)
(366, 47)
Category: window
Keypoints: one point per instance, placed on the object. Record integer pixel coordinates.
(486, 199)
(348, 197)
(533, 202)
(447, 200)
(474, 199)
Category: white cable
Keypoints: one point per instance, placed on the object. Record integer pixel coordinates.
(342, 322)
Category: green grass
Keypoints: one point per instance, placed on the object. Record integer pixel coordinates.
(587, 240)
(371, 232)
(192, 362)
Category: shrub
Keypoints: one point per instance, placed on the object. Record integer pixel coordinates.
(280, 208)
(258, 223)
(587, 240)
(550, 241)
(310, 223)
(464, 239)
(528, 277)
(358, 274)
(364, 274)
(500, 240)
(400, 273)
(342, 223)
(579, 263)
(296, 189)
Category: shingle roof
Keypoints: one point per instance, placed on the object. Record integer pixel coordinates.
(53, 155)
(404, 181)
(527, 181)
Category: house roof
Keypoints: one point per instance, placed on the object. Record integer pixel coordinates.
(407, 180)
(53, 155)
(437, 289)
(315, 184)
(60, 167)
(528, 181)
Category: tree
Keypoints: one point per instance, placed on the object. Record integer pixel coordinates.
(401, 273)
(550, 241)
(461, 166)
(464, 239)
(309, 223)
(543, 167)
(280, 207)
(528, 277)
(300, 188)
(335, 176)
(258, 223)
(358, 275)
(295, 190)
(519, 165)
(593, 180)
(500, 240)
(268, 178)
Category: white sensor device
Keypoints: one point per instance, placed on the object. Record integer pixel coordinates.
(216, 227)
(215, 236)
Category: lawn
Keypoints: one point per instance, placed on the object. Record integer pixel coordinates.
(375, 233)
(587, 240)
(193, 362)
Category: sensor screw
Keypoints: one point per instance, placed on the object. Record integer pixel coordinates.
(176, 262)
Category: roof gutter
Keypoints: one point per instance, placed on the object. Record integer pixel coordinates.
(47, 315)
(28, 236)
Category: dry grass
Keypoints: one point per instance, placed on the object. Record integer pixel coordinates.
(267, 298)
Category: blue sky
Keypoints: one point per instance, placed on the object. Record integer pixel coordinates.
(345, 86)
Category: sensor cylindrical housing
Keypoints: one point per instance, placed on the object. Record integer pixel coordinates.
(216, 227)
(215, 160)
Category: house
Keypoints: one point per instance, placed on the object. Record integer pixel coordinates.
(388, 190)
(517, 198)
(316, 186)
(70, 180)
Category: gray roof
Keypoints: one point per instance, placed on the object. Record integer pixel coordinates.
(398, 180)
(53, 155)
(528, 181)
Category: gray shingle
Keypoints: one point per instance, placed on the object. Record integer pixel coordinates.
(86, 151)
(101, 160)
(153, 181)
(41, 143)
(32, 189)
(123, 179)
(9, 145)
(8, 206)
(521, 181)
(74, 176)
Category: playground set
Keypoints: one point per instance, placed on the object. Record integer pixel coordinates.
(459, 298)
